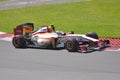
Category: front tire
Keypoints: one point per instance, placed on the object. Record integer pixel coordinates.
(71, 45)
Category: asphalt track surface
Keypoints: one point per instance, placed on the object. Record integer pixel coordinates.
(43, 64)
(23, 3)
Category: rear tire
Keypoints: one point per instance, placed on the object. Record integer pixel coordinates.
(92, 35)
(19, 41)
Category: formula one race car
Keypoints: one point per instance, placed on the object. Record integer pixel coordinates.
(46, 37)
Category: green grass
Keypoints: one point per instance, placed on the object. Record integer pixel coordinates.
(100, 16)
(3, 0)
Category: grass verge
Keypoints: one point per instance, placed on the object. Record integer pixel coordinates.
(100, 16)
(3, 0)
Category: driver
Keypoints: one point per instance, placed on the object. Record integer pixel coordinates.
(45, 29)
(49, 29)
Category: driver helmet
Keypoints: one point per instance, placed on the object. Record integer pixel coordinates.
(60, 33)
(49, 29)
(45, 29)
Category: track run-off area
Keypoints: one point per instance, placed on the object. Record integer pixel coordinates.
(10, 4)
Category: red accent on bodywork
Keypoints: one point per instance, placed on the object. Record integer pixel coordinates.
(47, 38)
(100, 42)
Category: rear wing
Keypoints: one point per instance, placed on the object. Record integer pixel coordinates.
(24, 29)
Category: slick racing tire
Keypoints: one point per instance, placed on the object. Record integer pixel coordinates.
(19, 41)
(92, 35)
(71, 45)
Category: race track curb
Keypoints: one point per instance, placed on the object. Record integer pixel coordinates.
(114, 43)
(5, 36)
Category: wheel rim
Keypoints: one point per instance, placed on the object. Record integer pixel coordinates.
(70, 45)
(16, 42)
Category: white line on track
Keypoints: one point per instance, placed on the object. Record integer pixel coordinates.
(2, 32)
(9, 39)
(113, 50)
